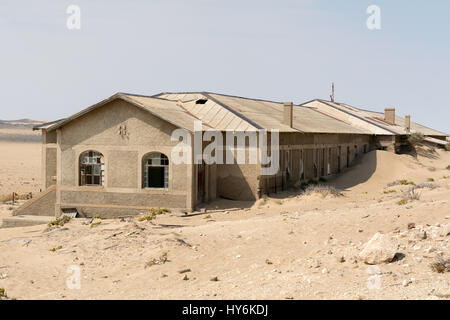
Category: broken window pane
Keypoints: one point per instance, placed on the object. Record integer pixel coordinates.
(91, 168)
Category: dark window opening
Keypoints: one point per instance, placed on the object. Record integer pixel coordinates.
(201, 101)
(155, 171)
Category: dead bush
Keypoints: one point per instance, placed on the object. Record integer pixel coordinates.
(426, 185)
(323, 190)
(413, 194)
(403, 182)
(440, 265)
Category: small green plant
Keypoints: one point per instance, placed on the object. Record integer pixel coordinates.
(94, 224)
(207, 216)
(402, 202)
(59, 222)
(2, 293)
(97, 216)
(405, 182)
(56, 248)
(430, 180)
(390, 191)
(153, 213)
(265, 197)
(145, 218)
(161, 260)
(416, 137)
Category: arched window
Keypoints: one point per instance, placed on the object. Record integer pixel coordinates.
(92, 168)
(155, 171)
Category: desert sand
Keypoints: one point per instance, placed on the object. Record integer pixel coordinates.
(288, 246)
(20, 161)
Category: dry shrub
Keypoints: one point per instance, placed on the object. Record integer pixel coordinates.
(440, 265)
(403, 182)
(323, 190)
(425, 185)
(413, 194)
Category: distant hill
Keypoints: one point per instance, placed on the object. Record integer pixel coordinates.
(19, 130)
(20, 124)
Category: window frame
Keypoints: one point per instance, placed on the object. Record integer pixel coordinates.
(145, 166)
(91, 166)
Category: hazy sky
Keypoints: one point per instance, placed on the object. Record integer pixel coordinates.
(283, 50)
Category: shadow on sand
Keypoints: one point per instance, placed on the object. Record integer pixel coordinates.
(361, 170)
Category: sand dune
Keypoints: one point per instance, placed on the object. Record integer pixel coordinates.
(289, 247)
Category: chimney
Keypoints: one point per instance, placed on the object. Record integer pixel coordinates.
(288, 113)
(332, 92)
(408, 123)
(389, 115)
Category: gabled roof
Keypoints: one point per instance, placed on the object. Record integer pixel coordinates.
(164, 109)
(371, 120)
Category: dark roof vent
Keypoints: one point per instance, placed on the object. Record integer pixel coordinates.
(201, 101)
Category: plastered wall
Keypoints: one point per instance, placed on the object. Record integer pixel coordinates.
(124, 134)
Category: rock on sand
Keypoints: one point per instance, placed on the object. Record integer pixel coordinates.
(379, 249)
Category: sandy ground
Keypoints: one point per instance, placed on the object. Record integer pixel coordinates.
(20, 162)
(291, 246)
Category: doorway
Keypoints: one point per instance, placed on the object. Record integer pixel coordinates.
(348, 157)
(201, 178)
(339, 160)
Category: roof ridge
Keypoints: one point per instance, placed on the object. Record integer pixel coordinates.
(230, 109)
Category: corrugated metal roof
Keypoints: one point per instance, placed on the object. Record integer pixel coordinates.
(436, 141)
(369, 120)
(226, 112)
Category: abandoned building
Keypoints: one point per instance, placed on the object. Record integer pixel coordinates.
(114, 158)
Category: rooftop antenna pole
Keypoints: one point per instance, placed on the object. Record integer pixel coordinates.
(332, 92)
